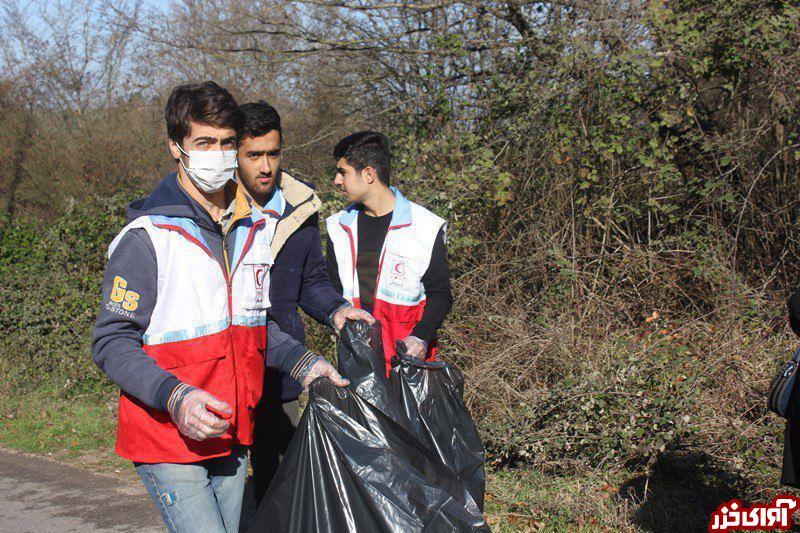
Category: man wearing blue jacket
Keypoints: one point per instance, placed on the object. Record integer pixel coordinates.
(298, 277)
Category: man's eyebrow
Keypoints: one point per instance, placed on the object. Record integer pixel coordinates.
(208, 139)
(251, 153)
(340, 170)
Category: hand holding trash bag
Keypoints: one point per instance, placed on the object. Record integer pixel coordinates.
(348, 312)
(193, 410)
(320, 368)
(415, 347)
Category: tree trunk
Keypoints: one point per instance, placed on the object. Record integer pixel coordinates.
(18, 166)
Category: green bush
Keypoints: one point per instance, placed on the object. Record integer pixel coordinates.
(50, 275)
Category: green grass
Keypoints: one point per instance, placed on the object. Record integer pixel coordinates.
(42, 422)
(524, 499)
(78, 430)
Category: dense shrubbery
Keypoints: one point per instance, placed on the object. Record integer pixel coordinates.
(612, 173)
(50, 275)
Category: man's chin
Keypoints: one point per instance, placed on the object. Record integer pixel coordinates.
(264, 188)
(258, 191)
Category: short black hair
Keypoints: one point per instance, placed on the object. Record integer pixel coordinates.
(259, 118)
(366, 149)
(206, 103)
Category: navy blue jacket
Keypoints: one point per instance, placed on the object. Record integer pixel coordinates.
(298, 278)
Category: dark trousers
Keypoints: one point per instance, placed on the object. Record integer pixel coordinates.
(276, 422)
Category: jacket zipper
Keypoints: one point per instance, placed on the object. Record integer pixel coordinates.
(226, 272)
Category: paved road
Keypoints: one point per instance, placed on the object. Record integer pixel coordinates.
(41, 495)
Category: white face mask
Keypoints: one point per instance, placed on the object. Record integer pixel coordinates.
(210, 170)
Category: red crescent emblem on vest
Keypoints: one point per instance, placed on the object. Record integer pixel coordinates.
(399, 268)
(259, 275)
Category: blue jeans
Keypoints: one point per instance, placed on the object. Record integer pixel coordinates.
(203, 496)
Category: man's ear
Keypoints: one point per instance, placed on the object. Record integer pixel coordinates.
(173, 149)
(369, 175)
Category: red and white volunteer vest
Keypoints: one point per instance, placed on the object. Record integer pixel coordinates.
(399, 294)
(207, 328)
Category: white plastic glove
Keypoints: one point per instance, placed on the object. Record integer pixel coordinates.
(415, 347)
(193, 417)
(347, 312)
(323, 368)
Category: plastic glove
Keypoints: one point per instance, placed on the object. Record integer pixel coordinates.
(194, 419)
(347, 312)
(321, 368)
(415, 347)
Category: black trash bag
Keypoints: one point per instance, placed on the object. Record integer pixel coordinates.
(358, 463)
(431, 394)
(351, 468)
(426, 398)
(360, 360)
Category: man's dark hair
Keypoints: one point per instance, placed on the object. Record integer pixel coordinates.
(366, 149)
(259, 118)
(206, 103)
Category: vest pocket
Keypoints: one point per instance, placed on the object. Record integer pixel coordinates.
(401, 279)
(255, 278)
(185, 358)
(209, 371)
(405, 315)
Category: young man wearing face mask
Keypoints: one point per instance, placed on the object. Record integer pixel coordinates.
(298, 276)
(385, 253)
(183, 327)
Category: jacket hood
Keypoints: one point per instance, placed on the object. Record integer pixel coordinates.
(301, 203)
(169, 199)
(298, 192)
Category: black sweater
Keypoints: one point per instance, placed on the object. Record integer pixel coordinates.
(436, 280)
